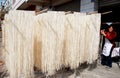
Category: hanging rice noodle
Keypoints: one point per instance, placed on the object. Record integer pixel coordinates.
(19, 43)
(49, 41)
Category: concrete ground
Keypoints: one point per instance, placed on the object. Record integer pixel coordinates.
(95, 70)
(86, 72)
(102, 72)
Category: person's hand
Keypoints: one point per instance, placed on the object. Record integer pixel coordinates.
(103, 32)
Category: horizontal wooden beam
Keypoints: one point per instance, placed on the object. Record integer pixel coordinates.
(103, 3)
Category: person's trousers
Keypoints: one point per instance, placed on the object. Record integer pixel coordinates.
(106, 60)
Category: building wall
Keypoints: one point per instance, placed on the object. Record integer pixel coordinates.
(70, 6)
(88, 5)
(74, 5)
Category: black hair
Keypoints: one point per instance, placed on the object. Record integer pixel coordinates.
(104, 26)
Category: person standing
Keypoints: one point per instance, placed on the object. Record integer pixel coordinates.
(109, 44)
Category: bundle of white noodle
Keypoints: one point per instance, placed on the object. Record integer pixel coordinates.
(18, 43)
(51, 41)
